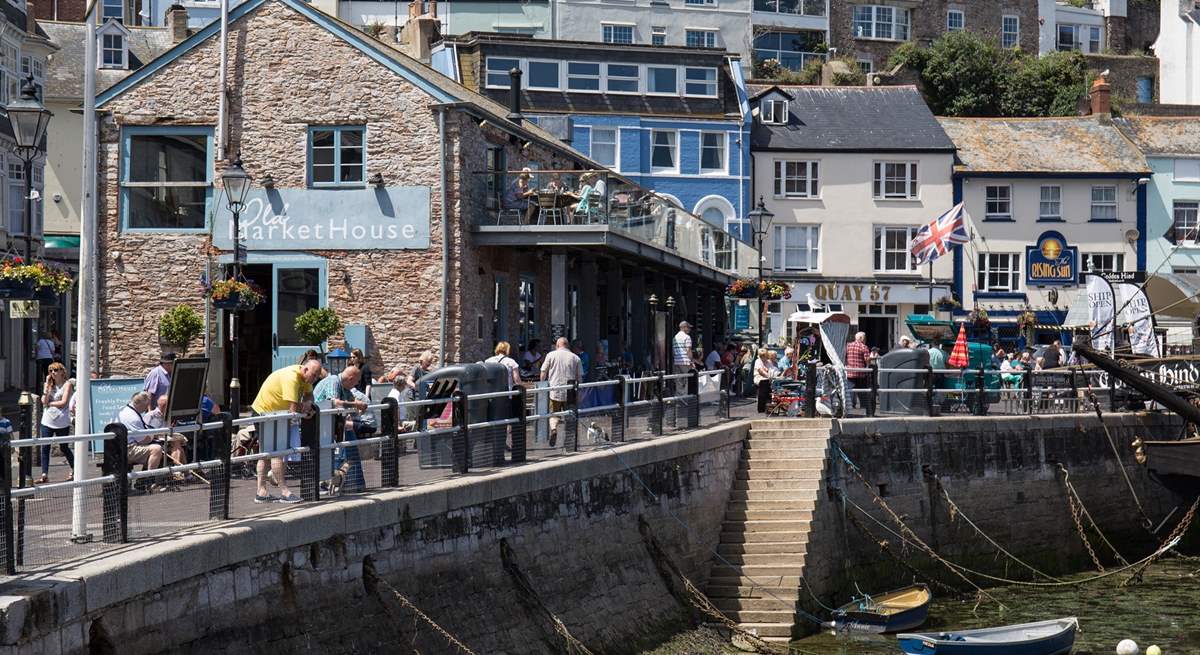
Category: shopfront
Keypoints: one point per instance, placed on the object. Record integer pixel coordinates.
(877, 307)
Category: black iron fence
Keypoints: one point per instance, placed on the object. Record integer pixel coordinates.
(329, 453)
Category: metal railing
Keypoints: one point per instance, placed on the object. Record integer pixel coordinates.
(329, 453)
(875, 391)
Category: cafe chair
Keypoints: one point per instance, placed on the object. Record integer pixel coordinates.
(548, 209)
(510, 213)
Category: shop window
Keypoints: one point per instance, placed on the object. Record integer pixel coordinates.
(337, 156)
(166, 178)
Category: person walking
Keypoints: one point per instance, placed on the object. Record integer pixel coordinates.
(559, 368)
(513, 380)
(56, 419)
(288, 389)
(158, 380)
(858, 355)
(762, 379)
(681, 355)
(44, 354)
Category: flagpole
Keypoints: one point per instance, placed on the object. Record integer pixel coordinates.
(931, 286)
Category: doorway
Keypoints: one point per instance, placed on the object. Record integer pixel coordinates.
(879, 331)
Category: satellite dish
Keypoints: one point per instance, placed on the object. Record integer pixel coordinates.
(1132, 235)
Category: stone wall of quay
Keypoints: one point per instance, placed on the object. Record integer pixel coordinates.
(295, 581)
(1003, 473)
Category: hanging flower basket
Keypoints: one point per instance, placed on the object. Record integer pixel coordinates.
(16, 289)
(235, 295)
(742, 288)
(1026, 320)
(947, 304)
(751, 288)
(22, 281)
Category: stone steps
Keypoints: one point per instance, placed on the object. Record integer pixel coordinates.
(768, 515)
(767, 433)
(794, 525)
(803, 504)
(814, 443)
(765, 603)
(757, 455)
(778, 474)
(771, 631)
(779, 616)
(788, 536)
(752, 591)
(764, 574)
(791, 464)
(794, 484)
(766, 559)
(740, 495)
(791, 423)
(782, 548)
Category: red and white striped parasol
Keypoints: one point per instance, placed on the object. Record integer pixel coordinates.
(959, 357)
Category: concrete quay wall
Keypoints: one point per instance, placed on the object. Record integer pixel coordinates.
(1003, 474)
(294, 581)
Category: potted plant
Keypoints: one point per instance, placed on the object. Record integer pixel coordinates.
(774, 290)
(235, 294)
(18, 280)
(742, 288)
(316, 326)
(947, 304)
(979, 318)
(178, 327)
(1026, 320)
(51, 284)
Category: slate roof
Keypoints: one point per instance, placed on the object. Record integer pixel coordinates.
(856, 119)
(1163, 135)
(16, 18)
(1070, 145)
(64, 69)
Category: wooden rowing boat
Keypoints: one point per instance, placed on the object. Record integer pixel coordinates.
(901, 609)
(1054, 637)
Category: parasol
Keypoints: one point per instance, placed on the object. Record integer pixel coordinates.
(958, 356)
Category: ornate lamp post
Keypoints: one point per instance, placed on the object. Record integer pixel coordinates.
(760, 222)
(29, 119)
(237, 186)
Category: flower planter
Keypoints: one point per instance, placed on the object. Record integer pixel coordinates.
(16, 289)
(944, 307)
(47, 295)
(233, 302)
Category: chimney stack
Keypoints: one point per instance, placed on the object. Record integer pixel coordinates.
(30, 19)
(433, 8)
(177, 20)
(414, 9)
(514, 102)
(1101, 100)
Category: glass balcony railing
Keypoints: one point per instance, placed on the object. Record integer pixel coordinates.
(795, 61)
(555, 199)
(794, 7)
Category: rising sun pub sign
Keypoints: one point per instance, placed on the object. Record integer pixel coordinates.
(1050, 262)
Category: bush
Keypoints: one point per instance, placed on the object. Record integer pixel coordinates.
(853, 75)
(1046, 86)
(179, 326)
(317, 325)
(772, 70)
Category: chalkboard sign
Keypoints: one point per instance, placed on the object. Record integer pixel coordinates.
(108, 397)
(187, 389)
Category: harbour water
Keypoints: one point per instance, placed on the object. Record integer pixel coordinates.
(1164, 609)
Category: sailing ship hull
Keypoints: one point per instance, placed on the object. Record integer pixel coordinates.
(1055, 637)
(1175, 464)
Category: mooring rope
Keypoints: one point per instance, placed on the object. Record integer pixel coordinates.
(1176, 535)
(373, 582)
(1091, 394)
(955, 510)
(913, 535)
(886, 547)
(529, 596)
(1079, 509)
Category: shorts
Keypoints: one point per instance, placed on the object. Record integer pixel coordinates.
(139, 454)
(558, 405)
(277, 435)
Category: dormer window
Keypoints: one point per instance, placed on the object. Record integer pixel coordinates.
(114, 46)
(773, 112)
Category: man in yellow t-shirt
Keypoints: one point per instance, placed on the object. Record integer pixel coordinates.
(288, 389)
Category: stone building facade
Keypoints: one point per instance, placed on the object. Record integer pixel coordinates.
(426, 138)
(927, 22)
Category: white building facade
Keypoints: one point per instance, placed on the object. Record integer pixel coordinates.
(846, 204)
(1178, 51)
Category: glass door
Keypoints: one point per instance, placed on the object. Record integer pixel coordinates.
(297, 289)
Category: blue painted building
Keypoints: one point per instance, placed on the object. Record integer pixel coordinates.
(670, 119)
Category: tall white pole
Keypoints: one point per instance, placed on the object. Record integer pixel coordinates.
(87, 263)
(222, 119)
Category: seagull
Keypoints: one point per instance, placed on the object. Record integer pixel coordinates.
(813, 305)
(34, 195)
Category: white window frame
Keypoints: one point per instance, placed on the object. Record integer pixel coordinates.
(1050, 204)
(879, 180)
(1189, 228)
(950, 22)
(658, 35)
(1005, 265)
(802, 176)
(1111, 262)
(1095, 39)
(121, 47)
(649, 86)
(527, 74)
(811, 248)
(723, 141)
(616, 143)
(898, 29)
(637, 79)
(487, 72)
(569, 76)
(880, 249)
(1104, 204)
(1005, 33)
(608, 33)
(674, 151)
(707, 83)
(866, 66)
(708, 36)
(989, 199)
(1186, 169)
(773, 112)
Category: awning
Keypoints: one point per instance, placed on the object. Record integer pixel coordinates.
(65, 241)
(1174, 295)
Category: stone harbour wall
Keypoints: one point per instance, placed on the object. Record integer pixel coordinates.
(1003, 473)
(307, 580)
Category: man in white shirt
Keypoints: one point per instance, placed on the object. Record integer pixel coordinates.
(681, 357)
(142, 450)
(559, 368)
(713, 361)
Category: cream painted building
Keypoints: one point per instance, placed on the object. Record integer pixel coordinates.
(847, 199)
(1027, 181)
(1178, 52)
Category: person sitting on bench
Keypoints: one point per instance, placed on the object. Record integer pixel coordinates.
(142, 449)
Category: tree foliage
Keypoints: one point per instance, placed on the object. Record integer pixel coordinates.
(964, 74)
(316, 325)
(179, 325)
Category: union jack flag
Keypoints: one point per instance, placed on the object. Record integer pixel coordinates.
(933, 240)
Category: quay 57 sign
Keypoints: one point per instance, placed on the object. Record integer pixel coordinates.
(1051, 262)
(860, 292)
(392, 218)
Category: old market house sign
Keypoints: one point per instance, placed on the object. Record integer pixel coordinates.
(391, 218)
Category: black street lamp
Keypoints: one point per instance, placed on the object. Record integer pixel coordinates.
(237, 186)
(29, 118)
(760, 222)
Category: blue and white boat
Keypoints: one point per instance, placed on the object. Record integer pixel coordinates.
(1055, 637)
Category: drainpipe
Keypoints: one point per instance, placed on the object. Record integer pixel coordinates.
(445, 238)
(514, 96)
(222, 146)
